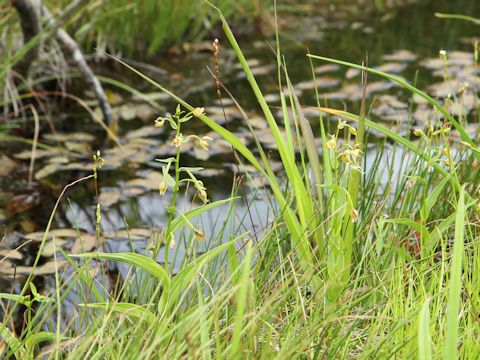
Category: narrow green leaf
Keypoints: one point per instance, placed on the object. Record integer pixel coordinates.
(458, 17)
(139, 261)
(130, 310)
(455, 284)
(181, 220)
(424, 338)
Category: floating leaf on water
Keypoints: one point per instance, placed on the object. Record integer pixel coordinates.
(132, 191)
(153, 96)
(426, 115)
(352, 72)
(354, 92)
(388, 107)
(417, 99)
(398, 117)
(149, 182)
(109, 197)
(272, 98)
(8, 269)
(401, 55)
(326, 68)
(59, 160)
(433, 64)
(41, 153)
(144, 132)
(212, 172)
(57, 233)
(462, 105)
(320, 83)
(257, 123)
(368, 30)
(86, 166)
(47, 170)
(392, 68)
(51, 247)
(224, 102)
(10, 254)
(259, 71)
(145, 112)
(251, 63)
(133, 234)
(85, 242)
(444, 88)
(127, 112)
(7, 165)
(70, 137)
(392, 101)
(200, 154)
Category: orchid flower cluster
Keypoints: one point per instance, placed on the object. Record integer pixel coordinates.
(175, 121)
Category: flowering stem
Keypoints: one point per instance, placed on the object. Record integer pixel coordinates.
(171, 209)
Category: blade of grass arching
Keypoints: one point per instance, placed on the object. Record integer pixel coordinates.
(432, 198)
(458, 17)
(183, 218)
(139, 261)
(455, 283)
(36, 338)
(463, 134)
(241, 306)
(185, 276)
(15, 345)
(424, 338)
(127, 309)
(84, 275)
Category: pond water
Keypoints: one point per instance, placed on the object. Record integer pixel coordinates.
(403, 39)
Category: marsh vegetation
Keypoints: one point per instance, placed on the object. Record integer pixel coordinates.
(240, 179)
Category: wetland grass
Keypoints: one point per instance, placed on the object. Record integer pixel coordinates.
(362, 260)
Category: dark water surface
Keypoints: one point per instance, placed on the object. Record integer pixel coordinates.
(404, 39)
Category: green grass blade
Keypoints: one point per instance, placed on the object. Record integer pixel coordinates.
(424, 338)
(241, 306)
(458, 17)
(455, 284)
(139, 261)
(180, 220)
(130, 310)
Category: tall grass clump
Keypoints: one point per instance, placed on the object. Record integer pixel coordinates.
(147, 26)
(358, 262)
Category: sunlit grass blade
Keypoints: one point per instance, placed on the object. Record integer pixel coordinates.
(241, 300)
(424, 337)
(455, 283)
(459, 17)
(139, 261)
(130, 310)
(188, 215)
